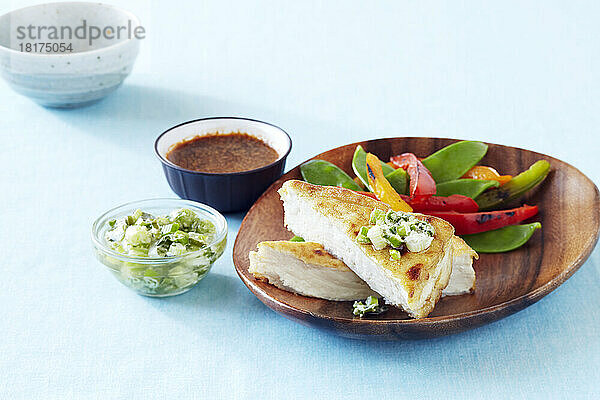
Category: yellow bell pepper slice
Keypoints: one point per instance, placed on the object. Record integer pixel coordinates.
(381, 187)
(486, 173)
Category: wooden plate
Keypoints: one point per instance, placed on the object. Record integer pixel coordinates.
(506, 283)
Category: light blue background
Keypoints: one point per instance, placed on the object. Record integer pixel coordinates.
(330, 73)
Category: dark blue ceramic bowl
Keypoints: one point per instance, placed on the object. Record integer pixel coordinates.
(227, 192)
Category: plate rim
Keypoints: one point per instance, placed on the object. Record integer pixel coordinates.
(517, 304)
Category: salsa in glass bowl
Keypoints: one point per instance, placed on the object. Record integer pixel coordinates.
(160, 247)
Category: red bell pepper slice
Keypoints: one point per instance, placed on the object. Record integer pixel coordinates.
(468, 223)
(456, 202)
(421, 182)
(368, 194)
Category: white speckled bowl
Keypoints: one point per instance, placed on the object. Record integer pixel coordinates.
(66, 80)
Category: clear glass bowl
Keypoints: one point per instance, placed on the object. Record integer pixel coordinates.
(160, 276)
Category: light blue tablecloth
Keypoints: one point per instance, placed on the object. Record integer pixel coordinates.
(329, 73)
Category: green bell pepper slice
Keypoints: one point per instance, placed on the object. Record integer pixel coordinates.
(514, 188)
(324, 173)
(455, 160)
(501, 240)
(466, 187)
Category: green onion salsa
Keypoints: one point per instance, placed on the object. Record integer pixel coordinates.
(399, 230)
(181, 233)
(143, 235)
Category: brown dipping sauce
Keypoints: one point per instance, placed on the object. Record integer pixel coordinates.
(222, 153)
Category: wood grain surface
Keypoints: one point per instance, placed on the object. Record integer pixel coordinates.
(506, 283)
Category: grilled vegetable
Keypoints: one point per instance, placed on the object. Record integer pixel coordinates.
(455, 202)
(359, 165)
(421, 182)
(436, 203)
(455, 160)
(487, 173)
(381, 187)
(368, 194)
(517, 187)
(466, 187)
(503, 239)
(399, 180)
(469, 223)
(324, 173)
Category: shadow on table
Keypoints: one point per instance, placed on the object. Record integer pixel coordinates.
(135, 102)
(216, 293)
(135, 113)
(559, 330)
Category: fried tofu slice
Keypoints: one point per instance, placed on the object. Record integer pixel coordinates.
(307, 269)
(333, 216)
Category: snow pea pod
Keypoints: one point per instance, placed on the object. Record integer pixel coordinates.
(515, 188)
(466, 187)
(399, 180)
(455, 160)
(359, 165)
(503, 239)
(324, 173)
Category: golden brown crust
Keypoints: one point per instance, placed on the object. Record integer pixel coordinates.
(461, 247)
(308, 252)
(352, 210)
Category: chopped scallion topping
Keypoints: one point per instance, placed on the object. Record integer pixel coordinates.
(396, 229)
(370, 306)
